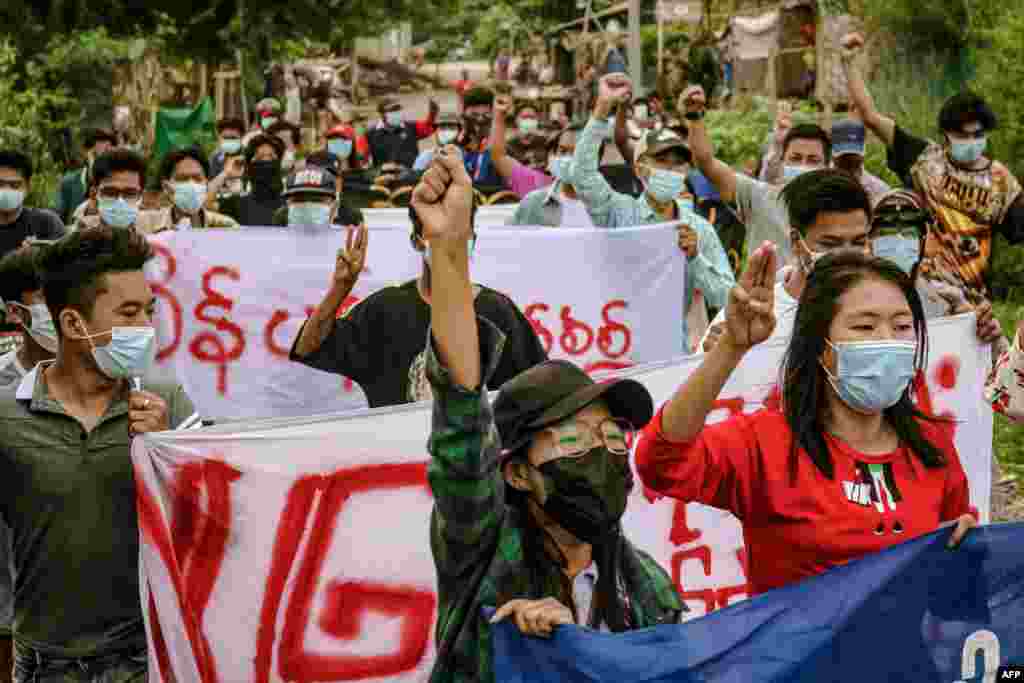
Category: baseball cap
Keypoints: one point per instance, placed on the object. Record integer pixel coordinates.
(656, 142)
(554, 390)
(848, 137)
(311, 180)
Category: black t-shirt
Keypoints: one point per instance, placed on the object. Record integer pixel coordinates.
(252, 210)
(39, 223)
(394, 145)
(380, 344)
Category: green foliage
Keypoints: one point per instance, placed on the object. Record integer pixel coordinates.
(1001, 82)
(739, 134)
(27, 121)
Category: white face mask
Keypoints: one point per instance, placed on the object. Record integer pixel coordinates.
(42, 329)
(446, 136)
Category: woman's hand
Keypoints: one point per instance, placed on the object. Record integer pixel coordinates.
(750, 312)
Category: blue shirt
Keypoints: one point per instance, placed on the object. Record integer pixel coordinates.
(708, 271)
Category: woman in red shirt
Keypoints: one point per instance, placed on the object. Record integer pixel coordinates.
(847, 465)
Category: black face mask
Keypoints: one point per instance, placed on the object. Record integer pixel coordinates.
(477, 126)
(264, 174)
(587, 495)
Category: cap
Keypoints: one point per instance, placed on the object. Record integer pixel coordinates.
(656, 142)
(901, 206)
(311, 180)
(341, 131)
(554, 390)
(268, 105)
(848, 137)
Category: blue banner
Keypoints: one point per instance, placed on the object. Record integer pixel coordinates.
(916, 612)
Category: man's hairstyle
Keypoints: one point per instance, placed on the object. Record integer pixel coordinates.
(259, 141)
(72, 268)
(823, 191)
(478, 96)
(809, 131)
(386, 103)
(288, 126)
(963, 108)
(233, 123)
(10, 158)
(118, 159)
(19, 273)
(171, 161)
(93, 135)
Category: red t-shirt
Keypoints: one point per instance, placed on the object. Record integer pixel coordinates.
(795, 528)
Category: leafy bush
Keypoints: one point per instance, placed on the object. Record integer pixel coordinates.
(27, 121)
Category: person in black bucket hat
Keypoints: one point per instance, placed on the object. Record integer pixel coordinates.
(528, 496)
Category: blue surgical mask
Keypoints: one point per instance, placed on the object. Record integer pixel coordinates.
(665, 186)
(117, 213)
(967, 152)
(269, 121)
(129, 354)
(11, 199)
(561, 168)
(189, 196)
(340, 147)
(446, 136)
(790, 171)
(42, 330)
(393, 118)
(902, 251)
(871, 376)
(231, 146)
(309, 213)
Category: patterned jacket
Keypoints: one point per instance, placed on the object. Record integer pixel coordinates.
(477, 538)
(1005, 386)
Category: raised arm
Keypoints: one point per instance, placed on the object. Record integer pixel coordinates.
(882, 126)
(692, 101)
(425, 128)
(349, 264)
(750, 319)
(622, 140)
(503, 163)
(588, 181)
(462, 354)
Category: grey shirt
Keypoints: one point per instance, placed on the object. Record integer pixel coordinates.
(69, 499)
(764, 215)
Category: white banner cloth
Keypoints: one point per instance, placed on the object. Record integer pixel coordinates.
(231, 304)
(250, 574)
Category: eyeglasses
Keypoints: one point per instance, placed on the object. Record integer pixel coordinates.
(115, 193)
(574, 439)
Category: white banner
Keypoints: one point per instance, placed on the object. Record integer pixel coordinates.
(231, 304)
(486, 217)
(287, 550)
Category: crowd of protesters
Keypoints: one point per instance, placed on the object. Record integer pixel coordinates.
(529, 489)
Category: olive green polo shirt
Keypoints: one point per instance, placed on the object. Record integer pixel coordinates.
(69, 498)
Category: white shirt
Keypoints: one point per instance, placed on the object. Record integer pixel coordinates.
(583, 587)
(11, 369)
(785, 311)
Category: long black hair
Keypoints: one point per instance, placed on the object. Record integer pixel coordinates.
(803, 379)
